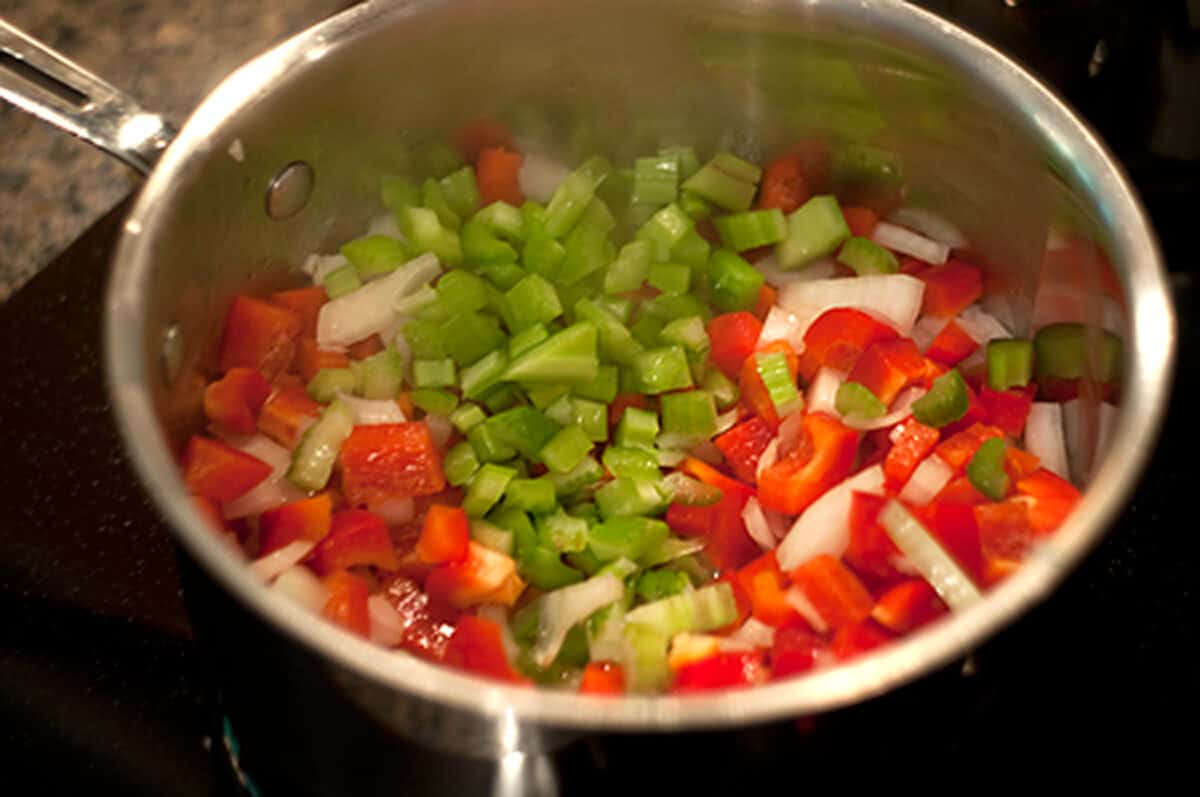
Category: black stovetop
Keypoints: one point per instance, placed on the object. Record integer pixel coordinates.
(102, 689)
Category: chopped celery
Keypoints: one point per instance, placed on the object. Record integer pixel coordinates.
(434, 373)
(587, 246)
(469, 336)
(398, 193)
(621, 309)
(427, 234)
(1063, 351)
(693, 413)
(727, 181)
(723, 389)
(526, 339)
(503, 275)
(381, 376)
(318, 449)
(499, 398)
(603, 388)
(531, 301)
(543, 255)
(683, 489)
(328, 382)
(433, 199)
(777, 378)
(629, 270)
(561, 532)
(544, 569)
(439, 158)
(685, 156)
(656, 179)
(668, 307)
(946, 401)
(523, 428)
(692, 251)
(734, 283)
(543, 397)
(637, 427)
(488, 445)
(626, 497)
(705, 609)
(628, 537)
(533, 217)
(341, 281)
(531, 495)
(467, 417)
(672, 549)
(460, 464)
(566, 449)
(751, 229)
(856, 400)
(461, 292)
(424, 338)
(492, 536)
(486, 488)
(670, 277)
(592, 417)
(586, 473)
(1009, 363)
(815, 229)
(696, 206)
(665, 229)
(631, 463)
(504, 220)
(646, 330)
(655, 584)
(461, 191)
(568, 203)
(986, 470)
(481, 246)
(644, 658)
(433, 401)
(561, 411)
(688, 333)
(512, 519)
(616, 342)
(484, 374)
(861, 165)
(416, 302)
(569, 355)
(375, 254)
(867, 257)
(660, 370)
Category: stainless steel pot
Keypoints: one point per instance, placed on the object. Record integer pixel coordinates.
(283, 159)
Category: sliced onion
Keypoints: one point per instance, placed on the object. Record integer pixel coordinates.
(930, 476)
(780, 324)
(925, 330)
(757, 526)
(370, 309)
(726, 421)
(410, 303)
(949, 580)
(539, 177)
(901, 409)
(770, 456)
(563, 608)
(395, 511)
(817, 270)
(905, 241)
(754, 633)
(273, 491)
(929, 224)
(823, 527)
(701, 448)
(387, 626)
(1044, 437)
(299, 584)
(893, 298)
(320, 266)
(279, 560)
(372, 412)
(440, 430)
(981, 326)
(821, 395)
(803, 606)
(262, 447)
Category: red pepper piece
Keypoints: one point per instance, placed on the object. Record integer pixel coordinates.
(726, 541)
(722, 671)
(479, 576)
(306, 519)
(478, 647)
(733, 338)
(767, 296)
(498, 172)
(1007, 409)
(915, 442)
(860, 220)
(310, 360)
(834, 591)
(743, 445)
(444, 536)
(753, 392)
(1053, 498)
(852, 641)
(1005, 536)
(951, 346)
(958, 449)
(1019, 463)
(766, 587)
(233, 401)
(305, 303)
(286, 413)
(887, 367)
(215, 470)
(823, 457)
(356, 537)
(871, 551)
(795, 651)
(347, 602)
(783, 185)
(390, 460)
(950, 288)
(425, 634)
(602, 678)
(258, 335)
(837, 338)
(907, 605)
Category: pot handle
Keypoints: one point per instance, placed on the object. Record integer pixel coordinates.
(44, 83)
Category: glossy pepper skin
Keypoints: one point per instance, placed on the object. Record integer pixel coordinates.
(822, 458)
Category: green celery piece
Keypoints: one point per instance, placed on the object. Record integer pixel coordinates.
(751, 229)
(692, 251)
(438, 158)
(501, 397)
(772, 368)
(544, 569)
(424, 338)
(665, 229)
(584, 474)
(318, 449)
(561, 532)
(526, 339)
(328, 382)
(986, 470)
(587, 248)
(398, 193)
(637, 428)
(568, 203)
(341, 281)
(533, 217)
(488, 445)
(434, 373)
(867, 257)
(670, 277)
(543, 397)
(622, 568)
(697, 611)
(726, 181)
(631, 463)
(372, 255)
(469, 336)
(724, 390)
(531, 495)
(467, 417)
(567, 356)
(481, 247)
(426, 233)
(434, 401)
(734, 283)
(624, 496)
(486, 488)
(628, 537)
(503, 275)
(1009, 363)
(433, 199)
(621, 309)
(531, 301)
(737, 167)
(946, 401)
(661, 370)
(616, 342)
(646, 331)
(504, 220)
(696, 206)
(815, 229)
(543, 255)
(512, 519)
(1061, 351)
(460, 464)
(656, 179)
(417, 302)
(668, 307)
(586, 561)
(381, 376)
(685, 157)
(562, 410)
(592, 417)
(482, 375)
(462, 292)
(563, 452)
(603, 388)
(676, 548)
(857, 400)
(492, 536)
(683, 489)
(655, 584)
(644, 659)
(523, 428)
(460, 191)
(689, 333)
(693, 413)
(629, 270)
(861, 165)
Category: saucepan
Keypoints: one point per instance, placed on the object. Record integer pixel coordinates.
(283, 160)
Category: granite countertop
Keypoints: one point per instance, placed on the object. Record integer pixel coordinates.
(168, 54)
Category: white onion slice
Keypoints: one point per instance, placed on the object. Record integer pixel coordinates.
(817, 270)
(387, 626)
(903, 240)
(301, 585)
(949, 580)
(757, 526)
(1044, 437)
(929, 224)
(726, 421)
(539, 176)
(925, 330)
(754, 633)
(273, 491)
(395, 511)
(901, 409)
(269, 566)
(803, 606)
(563, 608)
(770, 456)
(370, 309)
(320, 266)
(927, 480)
(981, 326)
(821, 395)
(784, 325)
(372, 412)
(824, 526)
(893, 298)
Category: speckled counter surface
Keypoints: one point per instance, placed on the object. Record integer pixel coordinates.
(167, 53)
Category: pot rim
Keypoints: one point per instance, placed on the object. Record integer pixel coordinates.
(1150, 359)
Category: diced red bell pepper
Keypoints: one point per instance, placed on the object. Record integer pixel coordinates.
(950, 288)
(958, 449)
(233, 401)
(834, 591)
(472, 581)
(286, 414)
(310, 360)
(1005, 536)
(887, 367)
(690, 521)
(767, 296)
(783, 185)
(215, 470)
(347, 602)
(306, 519)
(860, 220)
(444, 536)
(390, 460)
(1007, 409)
(753, 392)
(871, 551)
(743, 445)
(356, 537)
(908, 605)
(722, 671)
(362, 349)
(915, 442)
(1053, 498)
(733, 338)
(1019, 463)
(824, 456)
(796, 650)
(726, 541)
(480, 133)
(305, 303)
(425, 634)
(912, 266)
(951, 346)
(478, 647)
(852, 641)
(258, 335)
(766, 587)
(602, 678)
(837, 338)
(622, 402)
(498, 172)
